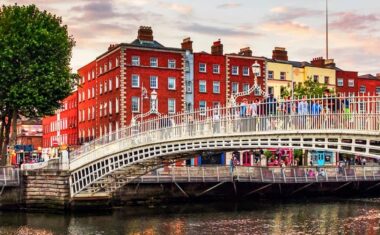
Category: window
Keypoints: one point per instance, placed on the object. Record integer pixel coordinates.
(327, 79)
(171, 83)
(117, 62)
(88, 114)
(153, 62)
(105, 109)
(235, 87)
(377, 90)
(93, 132)
(110, 64)
(110, 84)
(189, 87)
(93, 74)
(282, 76)
(88, 76)
(202, 107)
(93, 112)
(316, 78)
(88, 93)
(105, 86)
(135, 104)
(105, 67)
(202, 86)
(83, 96)
(362, 89)
(351, 83)
(202, 68)
(93, 92)
(117, 82)
(235, 70)
(171, 106)
(136, 60)
(153, 82)
(135, 80)
(245, 71)
(245, 87)
(101, 110)
(216, 87)
(216, 68)
(79, 97)
(100, 70)
(270, 90)
(110, 107)
(101, 88)
(117, 105)
(339, 82)
(171, 64)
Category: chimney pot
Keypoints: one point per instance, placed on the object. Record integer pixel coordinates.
(187, 44)
(280, 53)
(145, 33)
(246, 51)
(217, 48)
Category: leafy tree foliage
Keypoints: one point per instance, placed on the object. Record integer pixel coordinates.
(35, 53)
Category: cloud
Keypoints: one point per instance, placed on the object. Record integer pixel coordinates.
(217, 31)
(349, 21)
(293, 13)
(97, 10)
(228, 5)
(286, 27)
(182, 9)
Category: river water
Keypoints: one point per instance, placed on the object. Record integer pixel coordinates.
(322, 216)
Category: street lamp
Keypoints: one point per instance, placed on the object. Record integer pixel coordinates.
(153, 105)
(256, 70)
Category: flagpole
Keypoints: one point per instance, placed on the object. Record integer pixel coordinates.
(327, 31)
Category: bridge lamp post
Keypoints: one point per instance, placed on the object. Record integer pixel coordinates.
(256, 68)
(153, 105)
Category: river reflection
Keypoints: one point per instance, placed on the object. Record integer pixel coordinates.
(257, 217)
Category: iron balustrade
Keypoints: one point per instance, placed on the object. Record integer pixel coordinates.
(261, 174)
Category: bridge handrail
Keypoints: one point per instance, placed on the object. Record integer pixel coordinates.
(9, 176)
(291, 174)
(362, 113)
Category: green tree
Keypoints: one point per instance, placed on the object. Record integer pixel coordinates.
(310, 88)
(35, 53)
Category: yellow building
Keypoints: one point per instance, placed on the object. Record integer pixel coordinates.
(281, 72)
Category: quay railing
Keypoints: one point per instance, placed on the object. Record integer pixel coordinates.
(9, 176)
(260, 174)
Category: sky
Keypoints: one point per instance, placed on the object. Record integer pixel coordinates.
(297, 25)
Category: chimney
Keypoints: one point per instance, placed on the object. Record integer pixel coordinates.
(318, 62)
(246, 51)
(280, 53)
(217, 48)
(111, 47)
(145, 33)
(187, 44)
(329, 63)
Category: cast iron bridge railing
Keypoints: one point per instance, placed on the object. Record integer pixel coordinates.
(342, 124)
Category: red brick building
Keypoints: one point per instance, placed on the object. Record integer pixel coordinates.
(87, 102)
(346, 82)
(369, 84)
(240, 76)
(62, 128)
(210, 78)
(29, 132)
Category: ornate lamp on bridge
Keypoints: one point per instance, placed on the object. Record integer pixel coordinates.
(256, 70)
(153, 105)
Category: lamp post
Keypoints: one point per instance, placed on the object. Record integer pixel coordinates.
(256, 69)
(153, 105)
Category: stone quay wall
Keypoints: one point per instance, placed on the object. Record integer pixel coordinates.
(46, 189)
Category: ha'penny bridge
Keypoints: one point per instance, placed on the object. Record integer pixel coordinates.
(348, 125)
(144, 152)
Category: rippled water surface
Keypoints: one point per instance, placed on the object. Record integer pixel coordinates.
(351, 216)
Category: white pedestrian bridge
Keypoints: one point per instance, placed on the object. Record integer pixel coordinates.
(340, 124)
